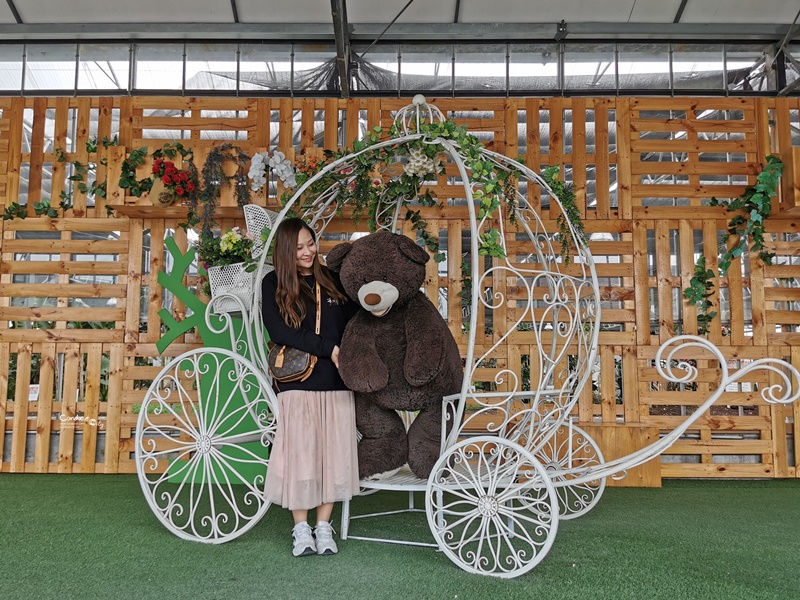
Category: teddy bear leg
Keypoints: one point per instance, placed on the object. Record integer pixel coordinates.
(384, 445)
(424, 438)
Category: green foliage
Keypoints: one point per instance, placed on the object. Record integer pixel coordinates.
(213, 179)
(755, 201)
(15, 210)
(361, 183)
(127, 180)
(44, 208)
(701, 288)
(569, 214)
(466, 283)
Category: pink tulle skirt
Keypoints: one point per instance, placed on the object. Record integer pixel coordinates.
(314, 458)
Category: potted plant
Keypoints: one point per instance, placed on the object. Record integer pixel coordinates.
(229, 266)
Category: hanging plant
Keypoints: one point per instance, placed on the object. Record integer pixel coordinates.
(215, 176)
(701, 288)
(757, 206)
(570, 213)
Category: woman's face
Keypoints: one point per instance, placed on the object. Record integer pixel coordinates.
(306, 251)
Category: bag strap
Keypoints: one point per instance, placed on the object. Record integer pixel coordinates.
(319, 308)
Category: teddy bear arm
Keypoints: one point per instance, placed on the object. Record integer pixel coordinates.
(425, 350)
(360, 366)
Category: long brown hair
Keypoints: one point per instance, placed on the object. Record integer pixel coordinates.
(291, 286)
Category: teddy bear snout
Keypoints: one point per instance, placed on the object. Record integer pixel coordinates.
(378, 297)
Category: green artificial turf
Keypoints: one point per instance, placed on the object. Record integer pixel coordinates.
(93, 536)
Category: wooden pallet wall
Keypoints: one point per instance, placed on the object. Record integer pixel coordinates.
(645, 216)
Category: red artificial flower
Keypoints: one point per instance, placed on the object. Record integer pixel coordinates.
(179, 190)
(159, 161)
(166, 180)
(170, 169)
(184, 176)
(156, 168)
(190, 187)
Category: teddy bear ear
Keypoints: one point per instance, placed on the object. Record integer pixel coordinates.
(411, 250)
(336, 256)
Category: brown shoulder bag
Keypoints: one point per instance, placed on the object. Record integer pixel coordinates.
(289, 364)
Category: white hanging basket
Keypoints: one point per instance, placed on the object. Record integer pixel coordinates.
(231, 279)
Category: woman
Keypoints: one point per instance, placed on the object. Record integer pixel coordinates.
(314, 459)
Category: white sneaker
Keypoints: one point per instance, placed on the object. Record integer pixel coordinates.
(303, 540)
(324, 536)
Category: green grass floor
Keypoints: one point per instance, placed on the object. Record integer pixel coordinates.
(93, 536)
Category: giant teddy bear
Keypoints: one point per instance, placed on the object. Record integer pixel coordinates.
(396, 354)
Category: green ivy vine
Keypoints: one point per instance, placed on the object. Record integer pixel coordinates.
(701, 288)
(755, 201)
(360, 186)
(756, 204)
(570, 213)
(80, 174)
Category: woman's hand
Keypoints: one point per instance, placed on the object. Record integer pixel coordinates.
(335, 356)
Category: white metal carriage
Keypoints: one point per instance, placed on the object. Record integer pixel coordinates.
(493, 501)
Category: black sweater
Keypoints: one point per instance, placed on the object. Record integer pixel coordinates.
(335, 316)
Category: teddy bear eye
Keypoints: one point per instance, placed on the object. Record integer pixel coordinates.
(386, 278)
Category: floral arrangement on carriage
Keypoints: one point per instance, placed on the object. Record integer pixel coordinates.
(226, 265)
(391, 177)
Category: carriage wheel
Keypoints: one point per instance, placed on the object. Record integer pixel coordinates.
(491, 507)
(202, 445)
(571, 448)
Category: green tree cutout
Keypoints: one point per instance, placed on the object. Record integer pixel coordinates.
(238, 465)
(173, 282)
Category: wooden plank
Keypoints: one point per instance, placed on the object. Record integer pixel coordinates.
(20, 425)
(601, 153)
(692, 125)
(556, 157)
(684, 191)
(640, 276)
(154, 291)
(306, 124)
(71, 246)
(37, 151)
(62, 314)
(5, 359)
(73, 267)
(677, 146)
(352, 122)
(81, 155)
(683, 470)
(626, 141)
(710, 250)
(694, 168)
(61, 335)
(67, 224)
(76, 290)
(285, 128)
(663, 274)
(608, 387)
(15, 133)
(579, 153)
(72, 371)
(630, 387)
(332, 124)
(104, 118)
(44, 405)
(94, 358)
